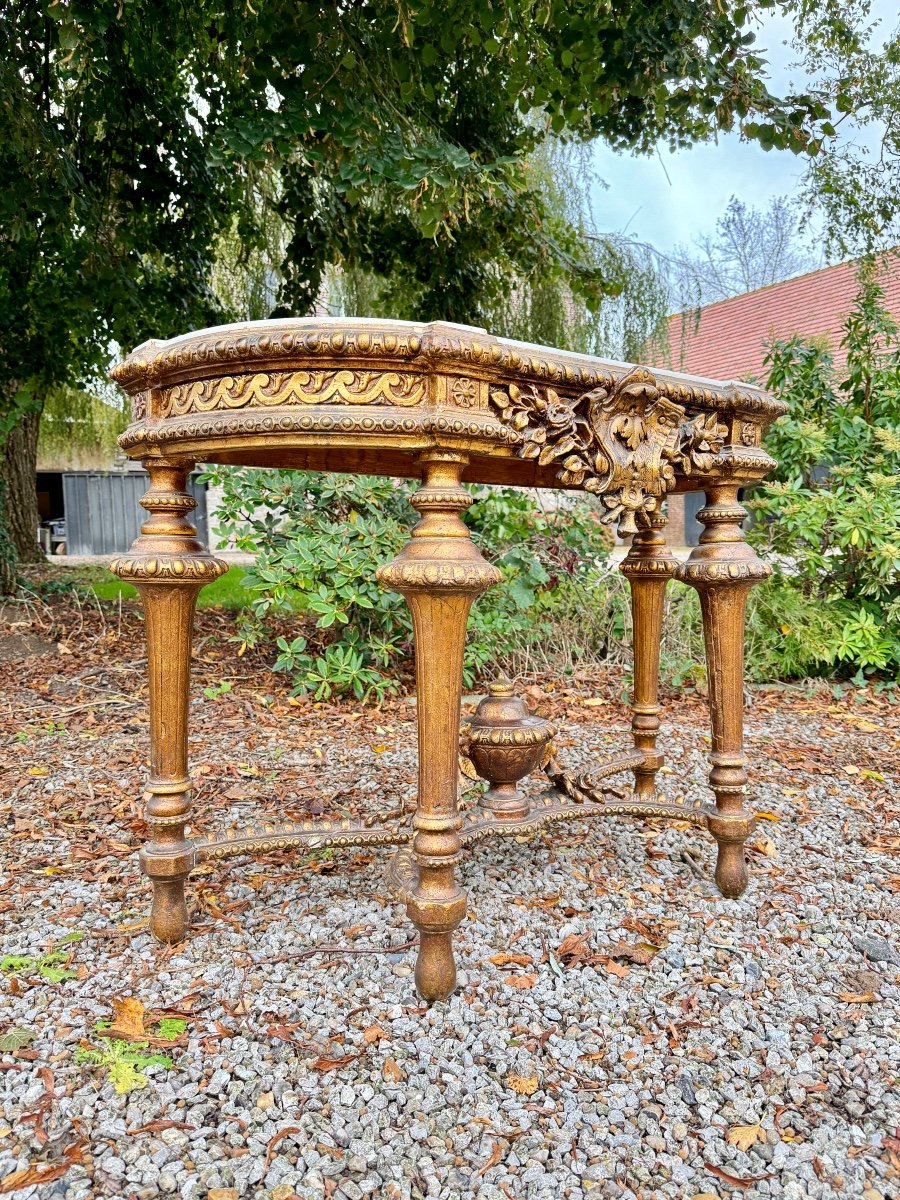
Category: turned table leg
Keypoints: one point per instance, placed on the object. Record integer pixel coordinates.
(168, 566)
(648, 567)
(439, 572)
(723, 568)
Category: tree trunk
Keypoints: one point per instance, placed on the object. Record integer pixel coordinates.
(7, 553)
(18, 463)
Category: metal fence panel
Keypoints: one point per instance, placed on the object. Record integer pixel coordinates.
(102, 512)
(693, 502)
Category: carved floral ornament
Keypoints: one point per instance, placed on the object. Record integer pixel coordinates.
(623, 441)
(275, 389)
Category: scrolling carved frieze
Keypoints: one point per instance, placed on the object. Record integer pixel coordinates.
(276, 389)
(623, 441)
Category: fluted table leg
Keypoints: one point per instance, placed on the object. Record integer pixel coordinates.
(440, 572)
(648, 567)
(723, 568)
(168, 566)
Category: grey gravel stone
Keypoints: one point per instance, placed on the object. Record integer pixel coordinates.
(593, 1084)
(878, 949)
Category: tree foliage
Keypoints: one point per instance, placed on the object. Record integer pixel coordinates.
(853, 180)
(134, 135)
(544, 306)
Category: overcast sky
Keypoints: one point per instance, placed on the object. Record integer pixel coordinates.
(670, 198)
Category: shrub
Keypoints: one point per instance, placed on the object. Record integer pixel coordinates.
(831, 518)
(318, 540)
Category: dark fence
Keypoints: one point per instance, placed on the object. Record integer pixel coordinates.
(102, 511)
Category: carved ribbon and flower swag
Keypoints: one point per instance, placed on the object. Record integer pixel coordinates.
(623, 442)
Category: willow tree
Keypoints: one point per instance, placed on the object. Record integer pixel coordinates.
(400, 135)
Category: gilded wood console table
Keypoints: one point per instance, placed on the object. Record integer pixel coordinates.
(448, 404)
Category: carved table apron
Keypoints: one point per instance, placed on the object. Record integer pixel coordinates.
(447, 404)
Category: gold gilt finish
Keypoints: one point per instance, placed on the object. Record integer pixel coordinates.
(504, 742)
(447, 404)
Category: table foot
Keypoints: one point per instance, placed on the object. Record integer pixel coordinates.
(168, 911)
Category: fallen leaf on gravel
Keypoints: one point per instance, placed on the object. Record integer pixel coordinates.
(14, 1039)
(332, 1064)
(574, 949)
(496, 1155)
(737, 1180)
(521, 981)
(637, 954)
(768, 816)
(391, 1071)
(159, 1126)
(39, 1173)
(744, 1136)
(525, 1085)
(221, 1194)
(373, 1034)
(892, 1146)
(617, 969)
(128, 1018)
(858, 997)
(505, 960)
(273, 1141)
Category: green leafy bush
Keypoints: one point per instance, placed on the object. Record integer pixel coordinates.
(318, 540)
(830, 521)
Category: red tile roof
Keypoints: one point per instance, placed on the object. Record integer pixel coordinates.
(729, 341)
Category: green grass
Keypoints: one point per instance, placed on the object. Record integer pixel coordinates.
(226, 592)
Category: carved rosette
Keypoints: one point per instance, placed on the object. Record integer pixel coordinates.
(622, 440)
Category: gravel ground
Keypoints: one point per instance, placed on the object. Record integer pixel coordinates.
(620, 1030)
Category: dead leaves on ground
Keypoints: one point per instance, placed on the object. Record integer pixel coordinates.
(38, 1173)
(506, 960)
(738, 1181)
(523, 1085)
(495, 1157)
(522, 982)
(745, 1136)
(576, 950)
(392, 1072)
(132, 1022)
(332, 1064)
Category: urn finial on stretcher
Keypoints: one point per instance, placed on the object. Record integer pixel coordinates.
(505, 742)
